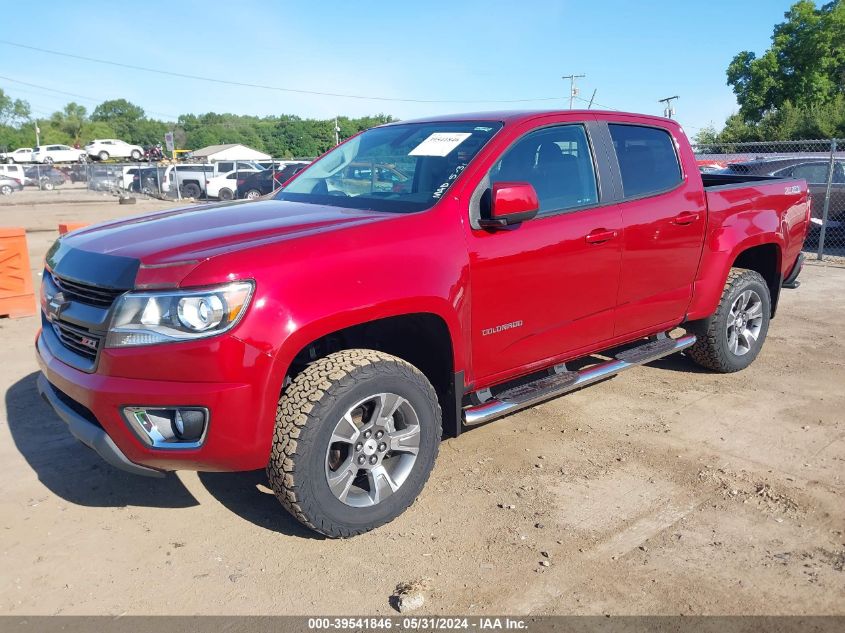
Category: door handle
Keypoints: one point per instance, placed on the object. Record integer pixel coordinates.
(685, 218)
(599, 236)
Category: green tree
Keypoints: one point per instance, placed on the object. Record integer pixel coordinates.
(805, 65)
(12, 111)
(69, 123)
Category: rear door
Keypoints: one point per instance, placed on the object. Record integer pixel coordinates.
(664, 215)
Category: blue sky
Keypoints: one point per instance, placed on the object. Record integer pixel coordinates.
(632, 52)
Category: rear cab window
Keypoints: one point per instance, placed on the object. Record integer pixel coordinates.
(648, 161)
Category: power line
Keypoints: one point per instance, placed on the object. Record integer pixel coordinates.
(263, 86)
(79, 96)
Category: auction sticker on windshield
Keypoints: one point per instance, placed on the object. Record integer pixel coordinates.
(440, 144)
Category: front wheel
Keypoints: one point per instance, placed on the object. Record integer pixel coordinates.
(225, 194)
(252, 194)
(730, 339)
(6, 190)
(48, 160)
(103, 155)
(47, 185)
(357, 433)
(136, 155)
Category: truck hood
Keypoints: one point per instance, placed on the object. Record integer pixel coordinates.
(197, 233)
(161, 248)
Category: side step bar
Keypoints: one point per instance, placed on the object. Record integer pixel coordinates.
(524, 396)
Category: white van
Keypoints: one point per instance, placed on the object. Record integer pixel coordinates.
(13, 171)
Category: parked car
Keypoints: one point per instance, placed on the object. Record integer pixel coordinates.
(18, 172)
(20, 155)
(330, 335)
(264, 182)
(190, 178)
(105, 178)
(44, 177)
(149, 180)
(49, 154)
(225, 186)
(104, 149)
(813, 169)
(225, 166)
(9, 185)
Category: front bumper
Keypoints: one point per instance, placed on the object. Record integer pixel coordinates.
(89, 432)
(241, 416)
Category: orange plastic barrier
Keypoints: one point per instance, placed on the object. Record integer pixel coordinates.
(67, 227)
(16, 296)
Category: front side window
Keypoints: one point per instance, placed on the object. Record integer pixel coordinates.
(647, 159)
(399, 168)
(557, 162)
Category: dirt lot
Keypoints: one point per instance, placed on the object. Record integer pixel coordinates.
(664, 490)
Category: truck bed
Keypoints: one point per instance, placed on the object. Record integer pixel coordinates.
(713, 180)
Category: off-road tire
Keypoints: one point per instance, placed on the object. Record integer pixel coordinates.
(191, 190)
(308, 411)
(711, 349)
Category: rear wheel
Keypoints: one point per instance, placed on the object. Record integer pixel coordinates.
(136, 155)
(252, 194)
(6, 190)
(191, 190)
(357, 433)
(47, 185)
(730, 339)
(225, 194)
(48, 160)
(103, 155)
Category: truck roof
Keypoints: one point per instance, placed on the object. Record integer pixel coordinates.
(518, 116)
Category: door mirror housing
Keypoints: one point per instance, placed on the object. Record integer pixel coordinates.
(511, 203)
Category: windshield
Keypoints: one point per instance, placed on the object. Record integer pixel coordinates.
(399, 168)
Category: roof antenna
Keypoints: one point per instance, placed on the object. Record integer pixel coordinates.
(591, 98)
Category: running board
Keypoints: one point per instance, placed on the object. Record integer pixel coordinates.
(547, 387)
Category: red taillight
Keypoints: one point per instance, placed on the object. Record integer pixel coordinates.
(241, 181)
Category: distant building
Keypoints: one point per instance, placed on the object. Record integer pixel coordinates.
(232, 151)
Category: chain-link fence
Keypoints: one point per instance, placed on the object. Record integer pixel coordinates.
(821, 163)
(221, 180)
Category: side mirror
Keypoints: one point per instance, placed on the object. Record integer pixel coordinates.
(510, 203)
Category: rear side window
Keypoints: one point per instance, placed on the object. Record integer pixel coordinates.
(647, 159)
(557, 162)
(815, 173)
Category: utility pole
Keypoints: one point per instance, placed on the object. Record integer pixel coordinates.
(668, 111)
(37, 134)
(573, 89)
(336, 133)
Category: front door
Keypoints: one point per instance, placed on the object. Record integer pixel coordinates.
(548, 286)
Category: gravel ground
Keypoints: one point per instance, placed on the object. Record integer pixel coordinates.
(665, 490)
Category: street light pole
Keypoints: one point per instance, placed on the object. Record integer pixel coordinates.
(573, 89)
(668, 111)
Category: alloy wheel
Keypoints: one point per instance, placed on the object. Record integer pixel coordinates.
(372, 450)
(745, 320)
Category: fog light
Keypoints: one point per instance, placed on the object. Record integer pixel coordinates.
(168, 427)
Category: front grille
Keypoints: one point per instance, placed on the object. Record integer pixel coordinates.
(86, 293)
(80, 340)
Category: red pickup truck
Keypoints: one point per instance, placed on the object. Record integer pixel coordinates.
(421, 278)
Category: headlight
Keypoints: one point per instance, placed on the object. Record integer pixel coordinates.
(148, 318)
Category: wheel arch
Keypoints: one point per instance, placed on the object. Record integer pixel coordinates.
(423, 338)
(758, 252)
